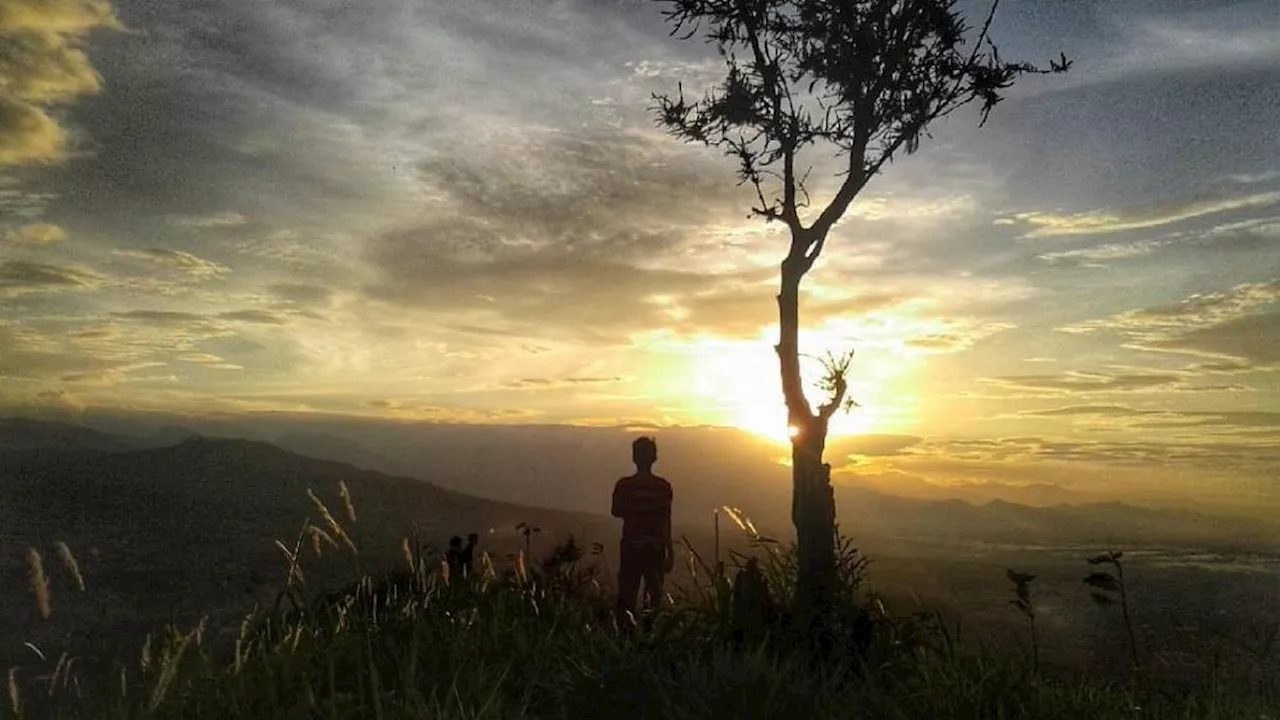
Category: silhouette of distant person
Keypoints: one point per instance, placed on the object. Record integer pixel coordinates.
(454, 558)
(643, 501)
(469, 554)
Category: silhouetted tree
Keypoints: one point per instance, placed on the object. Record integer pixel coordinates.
(1106, 588)
(1022, 601)
(856, 79)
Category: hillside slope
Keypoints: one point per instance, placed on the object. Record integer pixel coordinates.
(191, 528)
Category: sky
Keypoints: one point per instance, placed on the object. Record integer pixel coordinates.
(437, 211)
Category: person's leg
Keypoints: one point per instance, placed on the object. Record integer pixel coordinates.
(629, 571)
(653, 576)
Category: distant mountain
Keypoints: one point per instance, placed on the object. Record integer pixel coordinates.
(167, 435)
(869, 513)
(25, 435)
(572, 469)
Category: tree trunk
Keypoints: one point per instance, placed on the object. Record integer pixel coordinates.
(813, 502)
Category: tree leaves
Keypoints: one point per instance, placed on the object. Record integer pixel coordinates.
(1107, 589)
(1111, 558)
(1102, 599)
(863, 77)
(1022, 592)
(1102, 581)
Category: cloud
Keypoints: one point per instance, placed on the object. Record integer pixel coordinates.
(1252, 338)
(36, 234)
(563, 231)
(1009, 457)
(1206, 39)
(187, 263)
(25, 355)
(882, 207)
(1204, 308)
(178, 260)
(160, 317)
(1116, 251)
(20, 277)
(872, 445)
(1163, 418)
(207, 360)
(257, 317)
(1091, 410)
(741, 304)
(27, 135)
(171, 317)
(1100, 222)
(1253, 178)
(302, 293)
(957, 340)
(43, 64)
(1086, 382)
(225, 219)
(559, 383)
(1222, 324)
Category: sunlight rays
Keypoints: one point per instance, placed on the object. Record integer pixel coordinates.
(735, 383)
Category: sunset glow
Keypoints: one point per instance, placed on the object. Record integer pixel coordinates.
(426, 212)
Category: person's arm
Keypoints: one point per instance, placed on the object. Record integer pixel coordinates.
(619, 501)
(671, 548)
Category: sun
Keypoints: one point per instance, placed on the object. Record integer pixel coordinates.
(736, 384)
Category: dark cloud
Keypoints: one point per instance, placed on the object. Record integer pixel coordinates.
(1225, 324)
(1252, 338)
(258, 317)
(169, 317)
(160, 317)
(1220, 368)
(21, 276)
(571, 232)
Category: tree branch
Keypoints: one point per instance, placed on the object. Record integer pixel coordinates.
(836, 383)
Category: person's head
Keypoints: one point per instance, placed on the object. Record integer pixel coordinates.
(473, 538)
(644, 452)
(455, 542)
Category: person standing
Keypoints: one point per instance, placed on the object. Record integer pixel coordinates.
(643, 502)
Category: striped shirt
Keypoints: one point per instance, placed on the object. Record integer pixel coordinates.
(644, 504)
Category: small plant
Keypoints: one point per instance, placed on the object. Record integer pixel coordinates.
(528, 531)
(1022, 601)
(39, 583)
(563, 570)
(1108, 590)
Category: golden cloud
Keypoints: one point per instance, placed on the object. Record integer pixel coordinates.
(28, 135)
(177, 260)
(36, 234)
(43, 63)
(1102, 222)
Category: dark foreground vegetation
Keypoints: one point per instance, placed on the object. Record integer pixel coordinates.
(518, 639)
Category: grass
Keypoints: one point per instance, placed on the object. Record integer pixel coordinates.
(541, 640)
